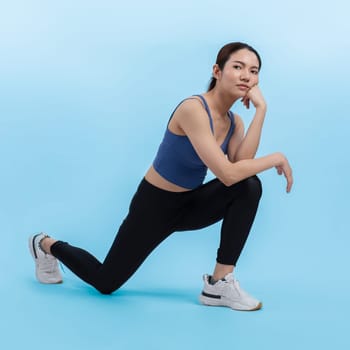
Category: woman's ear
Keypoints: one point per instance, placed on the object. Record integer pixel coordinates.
(216, 71)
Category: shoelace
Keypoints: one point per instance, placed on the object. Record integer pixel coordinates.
(49, 263)
(62, 267)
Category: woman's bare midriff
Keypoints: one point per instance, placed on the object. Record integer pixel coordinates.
(153, 177)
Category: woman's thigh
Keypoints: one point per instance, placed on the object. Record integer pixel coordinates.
(151, 219)
(208, 204)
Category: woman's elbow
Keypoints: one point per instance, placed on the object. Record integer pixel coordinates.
(227, 178)
(234, 172)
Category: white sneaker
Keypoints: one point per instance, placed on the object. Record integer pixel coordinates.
(46, 266)
(227, 292)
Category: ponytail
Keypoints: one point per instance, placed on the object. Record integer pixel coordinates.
(212, 84)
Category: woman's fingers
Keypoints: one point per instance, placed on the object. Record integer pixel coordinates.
(289, 177)
(289, 183)
(287, 172)
(279, 170)
(255, 96)
(245, 101)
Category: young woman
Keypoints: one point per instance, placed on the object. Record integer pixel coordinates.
(202, 133)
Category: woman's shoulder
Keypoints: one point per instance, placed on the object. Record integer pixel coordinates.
(190, 112)
(191, 105)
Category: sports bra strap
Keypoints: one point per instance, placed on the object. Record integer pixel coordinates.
(208, 111)
(232, 117)
(205, 106)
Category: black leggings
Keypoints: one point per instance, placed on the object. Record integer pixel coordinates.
(154, 214)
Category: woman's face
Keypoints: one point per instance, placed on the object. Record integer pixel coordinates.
(240, 73)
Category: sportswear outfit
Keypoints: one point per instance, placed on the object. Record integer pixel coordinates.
(154, 214)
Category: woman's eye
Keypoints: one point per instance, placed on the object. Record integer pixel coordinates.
(237, 67)
(255, 72)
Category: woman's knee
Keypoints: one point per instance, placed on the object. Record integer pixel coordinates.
(252, 187)
(107, 287)
(105, 291)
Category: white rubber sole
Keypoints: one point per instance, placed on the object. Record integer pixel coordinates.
(228, 303)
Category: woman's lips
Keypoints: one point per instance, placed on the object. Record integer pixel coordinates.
(243, 87)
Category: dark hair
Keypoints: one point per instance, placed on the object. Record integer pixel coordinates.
(225, 53)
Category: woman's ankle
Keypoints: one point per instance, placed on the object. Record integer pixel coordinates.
(221, 271)
(46, 244)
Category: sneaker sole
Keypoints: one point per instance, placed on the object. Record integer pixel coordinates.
(35, 257)
(221, 302)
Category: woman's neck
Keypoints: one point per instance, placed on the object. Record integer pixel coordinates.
(219, 102)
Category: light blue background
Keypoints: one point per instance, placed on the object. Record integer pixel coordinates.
(86, 89)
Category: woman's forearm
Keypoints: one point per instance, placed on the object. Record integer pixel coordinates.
(250, 143)
(243, 169)
(236, 172)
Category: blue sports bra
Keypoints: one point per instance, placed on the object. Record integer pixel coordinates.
(176, 159)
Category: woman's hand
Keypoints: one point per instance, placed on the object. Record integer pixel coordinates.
(255, 96)
(283, 168)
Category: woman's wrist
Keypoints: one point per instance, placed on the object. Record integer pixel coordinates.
(279, 158)
(262, 108)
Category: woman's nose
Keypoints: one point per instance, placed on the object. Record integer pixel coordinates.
(245, 75)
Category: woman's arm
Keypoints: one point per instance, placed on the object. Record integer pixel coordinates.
(249, 144)
(193, 120)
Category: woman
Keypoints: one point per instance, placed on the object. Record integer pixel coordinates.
(202, 133)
